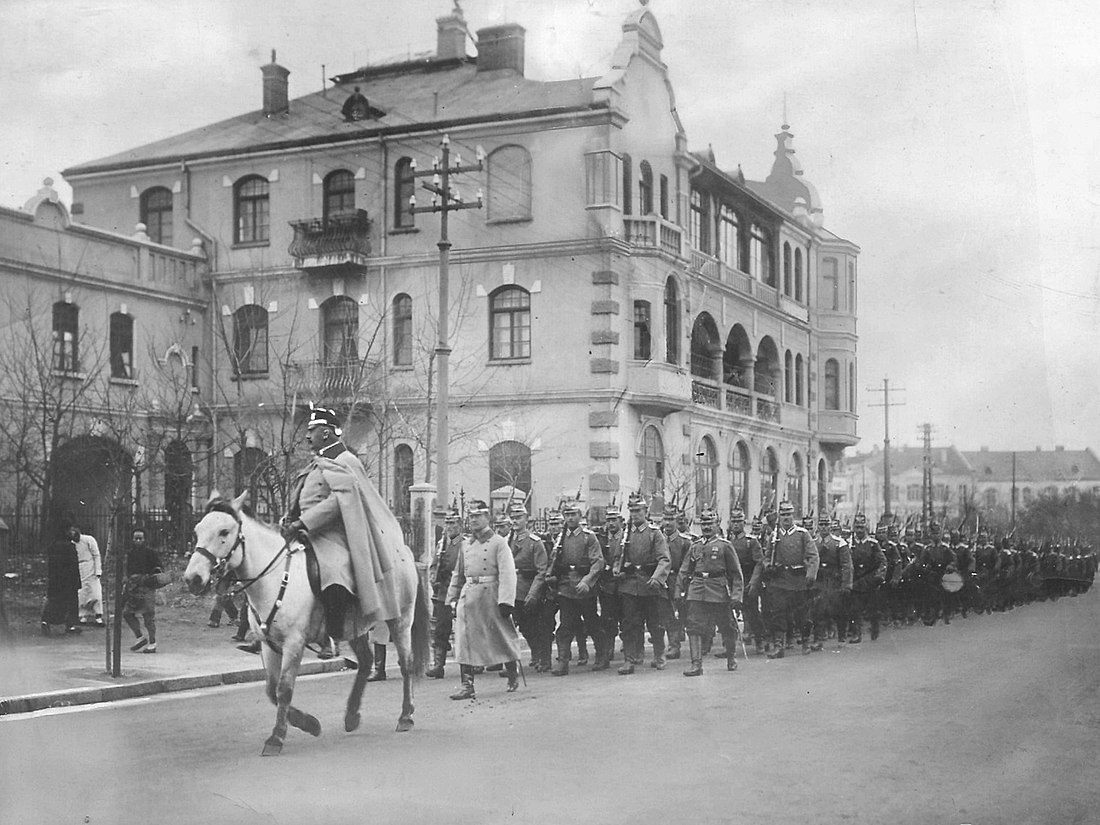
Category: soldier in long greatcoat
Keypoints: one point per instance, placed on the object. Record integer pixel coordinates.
(483, 594)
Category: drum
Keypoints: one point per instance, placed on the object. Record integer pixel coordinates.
(952, 581)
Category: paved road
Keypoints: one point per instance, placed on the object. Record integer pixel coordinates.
(993, 720)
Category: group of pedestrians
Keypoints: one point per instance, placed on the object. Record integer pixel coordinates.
(74, 592)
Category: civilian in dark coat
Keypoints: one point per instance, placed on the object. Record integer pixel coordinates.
(62, 585)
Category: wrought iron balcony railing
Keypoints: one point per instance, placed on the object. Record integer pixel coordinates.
(337, 240)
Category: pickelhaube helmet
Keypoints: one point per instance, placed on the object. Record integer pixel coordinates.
(708, 516)
(323, 417)
(823, 520)
(452, 517)
(517, 508)
(570, 506)
(808, 521)
(892, 531)
(636, 502)
(786, 508)
(737, 515)
(859, 520)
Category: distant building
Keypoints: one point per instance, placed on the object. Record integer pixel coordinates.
(99, 337)
(626, 314)
(1035, 473)
(952, 483)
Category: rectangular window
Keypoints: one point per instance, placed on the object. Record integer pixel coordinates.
(122, 346)
(700, 227)
(664, 197)
(603, 175)
(251, 207)
(913, 492)
(728, 243)
(642, 335)
(194, 368)
(65, 331)
(830, 295)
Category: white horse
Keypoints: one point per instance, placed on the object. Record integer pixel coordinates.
(288, 615)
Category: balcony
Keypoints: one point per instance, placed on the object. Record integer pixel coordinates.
(832, 321)
(333, 382)
(793, 308)
(706, 394)
(655, 388)
(738, 401)
(837, 427)
(767, 410)
(653, 232)
(334, 244)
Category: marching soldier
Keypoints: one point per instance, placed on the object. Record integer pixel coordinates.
(642, 571)
(834, 586)
(575, 563)
(530, 559)
(443, 565)
(789, 571)
(892, 606)
(936, 559)
(710, 583)
(678, 545)
(868, 574)
(964, 562)
(749, 556)
(985, 562)
(611, 609)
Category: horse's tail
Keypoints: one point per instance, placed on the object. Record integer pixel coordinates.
(421, 629)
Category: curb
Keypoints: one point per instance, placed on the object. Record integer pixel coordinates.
(150, 687)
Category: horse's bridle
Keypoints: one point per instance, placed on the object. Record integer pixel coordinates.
(220, 566)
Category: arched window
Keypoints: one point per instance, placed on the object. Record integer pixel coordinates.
(832, 384)
(736, 357)
(766, 367)
(652, 464)
(510, 466)
(122, 345)
(66, 336)
(672, 322)
(403, 469)
(786, 268)
(510, 323)
(729, 245)
(769, 478)
(156, 214)
(645, 187)
(402, 331)
(628, 185)
(706, 474)
(788, 377)
(643, 338)
(705, 345)
(509, 181)
(404, 187)
(339, 189)
(795, 484)
(250, 339)
(739, 484)
(799, 380)
(798, 274)
(340, 331)
(178, 477)
(251, 210)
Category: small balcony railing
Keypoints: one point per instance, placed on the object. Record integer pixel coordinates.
(338, 240)
(655, 232)
(738, 401)
(333, 381)
(705, 394)
(767, 410)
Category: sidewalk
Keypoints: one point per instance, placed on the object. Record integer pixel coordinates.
(38, 672)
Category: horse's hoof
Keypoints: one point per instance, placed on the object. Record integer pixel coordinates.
(272, 747)
(351, 722)
(404, 725)
(311, 726)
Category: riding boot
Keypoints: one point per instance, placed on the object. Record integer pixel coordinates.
(512, 671)
(467, 689)
(436, 670)
(658, 662)
(379, 673)
(335, 599)
(673, 650)
(695, 650)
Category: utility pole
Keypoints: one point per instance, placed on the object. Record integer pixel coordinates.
(445, 200)
(886, 405)
(926, 477)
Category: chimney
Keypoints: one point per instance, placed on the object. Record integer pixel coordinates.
(276, 88)
(450, 36)
(501, 47)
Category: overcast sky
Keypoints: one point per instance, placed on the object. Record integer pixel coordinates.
(957, 142)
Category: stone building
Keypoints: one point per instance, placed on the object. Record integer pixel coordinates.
(626, 313)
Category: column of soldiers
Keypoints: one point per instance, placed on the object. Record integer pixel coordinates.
(776, 585)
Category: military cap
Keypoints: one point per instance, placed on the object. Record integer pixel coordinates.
(708, 516)
(554, 515)
(860, 520)
(757, 521)
(808, 521)
(570, 506)
(636, 502)
(323, 417)
(517, 509)
(786, 508)
(737, 514)
(614, 513)
(892, 531)
(452, 517)
(823, 520)
(477, 507)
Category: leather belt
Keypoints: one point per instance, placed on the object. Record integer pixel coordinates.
(704, 575)
(481, 579)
